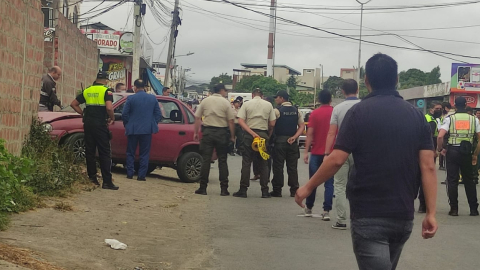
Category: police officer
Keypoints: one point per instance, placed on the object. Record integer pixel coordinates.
(98, 99)
(257, 119)
(288, 128)
(461, 128)
(434, 112)
(48, 93)
(218, 118)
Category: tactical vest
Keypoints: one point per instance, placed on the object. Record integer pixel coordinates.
(462, 128)
(431, 119)
(95, 95)
(286, 124)
(95, 111)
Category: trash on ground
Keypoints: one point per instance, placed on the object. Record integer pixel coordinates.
(115, 244)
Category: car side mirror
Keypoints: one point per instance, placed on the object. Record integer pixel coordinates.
(118, 116)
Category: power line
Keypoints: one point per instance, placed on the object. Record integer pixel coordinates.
(345, 36)
(105, 11)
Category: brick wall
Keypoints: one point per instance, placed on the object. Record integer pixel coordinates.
(76, 55)
(21, 58)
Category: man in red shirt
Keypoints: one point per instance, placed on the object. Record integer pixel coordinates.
(318, 126)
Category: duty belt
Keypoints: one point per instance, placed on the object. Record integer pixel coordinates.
(43, 93)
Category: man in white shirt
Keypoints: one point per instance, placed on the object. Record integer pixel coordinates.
(349, 90)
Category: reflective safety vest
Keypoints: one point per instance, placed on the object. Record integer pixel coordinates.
(95, 95)
(431, 119)
(462, 128)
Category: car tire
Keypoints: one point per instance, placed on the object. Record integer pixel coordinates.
(150, 169)
(76, 143)
(189, 166)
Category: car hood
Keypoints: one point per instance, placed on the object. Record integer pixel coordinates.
(48, 117)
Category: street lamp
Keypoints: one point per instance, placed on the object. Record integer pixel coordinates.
(315, 85)
(360, 43)
(188, 54)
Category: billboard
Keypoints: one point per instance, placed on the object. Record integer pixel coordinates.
(465, 77)
(109, 39)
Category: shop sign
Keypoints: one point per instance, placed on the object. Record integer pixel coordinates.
(48, 34)
(465, 77)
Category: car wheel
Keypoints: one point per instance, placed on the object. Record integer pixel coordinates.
(150, 169)
(189, 167)
(76, 143)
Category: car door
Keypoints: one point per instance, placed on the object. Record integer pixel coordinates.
(119, 140)
(173, 133)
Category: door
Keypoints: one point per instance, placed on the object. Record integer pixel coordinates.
(119, 140)
(173, 132)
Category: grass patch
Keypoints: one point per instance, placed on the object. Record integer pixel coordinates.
(43, 169)
(63, 206)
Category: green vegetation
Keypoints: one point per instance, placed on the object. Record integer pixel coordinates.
(415, 77)
(43, 168)
(223, 78)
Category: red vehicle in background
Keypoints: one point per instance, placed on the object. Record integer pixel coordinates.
(173, 146)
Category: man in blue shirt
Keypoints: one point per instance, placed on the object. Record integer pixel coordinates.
(381, 128)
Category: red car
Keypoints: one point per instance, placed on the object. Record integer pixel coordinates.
(173, 146)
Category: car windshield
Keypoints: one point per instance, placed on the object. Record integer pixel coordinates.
(69, 109)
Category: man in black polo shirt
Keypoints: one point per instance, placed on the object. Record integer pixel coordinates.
(378, 130)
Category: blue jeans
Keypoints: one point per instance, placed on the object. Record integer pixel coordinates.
(315, 163)
(378, 242)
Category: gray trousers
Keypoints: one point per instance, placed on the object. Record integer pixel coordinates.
(340, 187)
(378, 242)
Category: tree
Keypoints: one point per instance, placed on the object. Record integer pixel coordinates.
(334, 85)
(302, 99)
(292, 82)
(415, 77)
(223, 78)
(268, 85)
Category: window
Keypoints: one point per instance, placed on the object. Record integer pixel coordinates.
(191, 117)
(167, 107)
(309, 71)
(65, 8)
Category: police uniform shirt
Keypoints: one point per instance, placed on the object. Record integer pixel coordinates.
(216, 110)
(235, 113)
(446, 125)
(48, 93)
(288, 104)
(96, 115)
(257, 113)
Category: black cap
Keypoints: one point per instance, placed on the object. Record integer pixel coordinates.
(102, 75)
(239, 99)
(283, 94)
(460, 102)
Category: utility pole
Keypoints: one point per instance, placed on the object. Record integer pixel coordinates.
(171, 47)
(360, 43)
(271, 38)
(137, 20)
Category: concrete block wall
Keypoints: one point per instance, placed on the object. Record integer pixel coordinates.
(21, 40)
(76, 55)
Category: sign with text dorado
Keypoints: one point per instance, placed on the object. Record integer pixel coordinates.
(465, 77)
(108, 39)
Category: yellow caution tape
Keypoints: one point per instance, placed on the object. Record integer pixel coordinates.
(258, 145)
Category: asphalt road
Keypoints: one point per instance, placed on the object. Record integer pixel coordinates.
(257, 234)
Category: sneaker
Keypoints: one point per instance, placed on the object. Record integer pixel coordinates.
(442, 169)
(308, 212)
(325, 216)
(339, 226)
(110, 186)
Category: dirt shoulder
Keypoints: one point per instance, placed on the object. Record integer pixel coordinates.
(160, 220)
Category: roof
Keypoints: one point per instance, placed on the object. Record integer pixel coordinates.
(98, 26)
(291, 70)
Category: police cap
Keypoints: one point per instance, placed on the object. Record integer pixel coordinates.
(460, 102)
(283, 94)
(102, 75)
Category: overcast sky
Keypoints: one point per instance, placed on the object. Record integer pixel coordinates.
(221, 42)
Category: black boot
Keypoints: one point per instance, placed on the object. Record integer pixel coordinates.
(242, 193)
(224, 192)
(201, 191)
(422, 208)
(474, 210)
(265, 194)
(293, 193)
(94, 181)
(453, 210)
(276, 193)
(109, 186)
